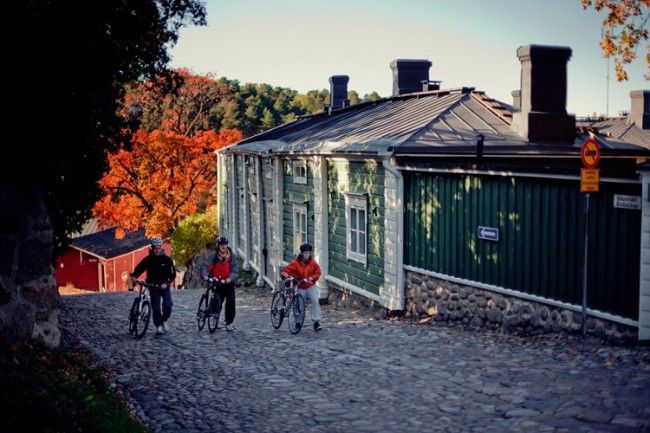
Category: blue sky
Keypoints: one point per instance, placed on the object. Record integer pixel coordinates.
(301, 43)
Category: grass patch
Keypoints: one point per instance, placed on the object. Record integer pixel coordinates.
(56, 391)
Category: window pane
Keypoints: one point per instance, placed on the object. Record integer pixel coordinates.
(362, 243)
(353, 218)
(362, 219)
(353, 241)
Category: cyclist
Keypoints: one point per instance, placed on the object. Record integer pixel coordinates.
(224, 265)
(160, 271)
(304, 267)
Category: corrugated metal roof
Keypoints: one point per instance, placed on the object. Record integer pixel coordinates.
(619, 131)
(445, 122)
(104, 244)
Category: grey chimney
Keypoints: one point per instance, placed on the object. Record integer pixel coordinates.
(339, 91)
(542, 115)
(640, 110)
(516, 99)
(408, 75)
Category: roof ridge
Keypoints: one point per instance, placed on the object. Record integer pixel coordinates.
(495, 106)
(438, 116)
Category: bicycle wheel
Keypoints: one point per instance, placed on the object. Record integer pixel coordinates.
(133, 315)
(202, 313)
(296, 313)
(215, 311)
(143, 319)
(277, 309)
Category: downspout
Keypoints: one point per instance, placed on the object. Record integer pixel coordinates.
(261, 223)
(220, 173)
(278, 201)
(321, 223)
(397, 303)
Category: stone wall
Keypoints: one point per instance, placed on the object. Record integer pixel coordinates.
(436, 299)
(339, 296)
(28, 292)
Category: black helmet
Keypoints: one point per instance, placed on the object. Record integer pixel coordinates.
(222, 240)
(306, 247)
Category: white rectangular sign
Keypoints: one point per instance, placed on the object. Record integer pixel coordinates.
(627, 201)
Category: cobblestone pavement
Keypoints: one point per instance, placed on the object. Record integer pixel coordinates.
(357, 375)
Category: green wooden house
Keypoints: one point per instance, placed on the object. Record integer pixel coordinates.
(450, 205)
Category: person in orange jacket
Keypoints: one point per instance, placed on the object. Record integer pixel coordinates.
(304, 267)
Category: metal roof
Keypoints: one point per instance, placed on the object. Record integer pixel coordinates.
(427, 123)
(103, 244)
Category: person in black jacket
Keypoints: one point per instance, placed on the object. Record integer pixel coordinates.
(160, 271)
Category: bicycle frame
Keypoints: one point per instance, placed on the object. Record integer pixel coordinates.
(285, 300)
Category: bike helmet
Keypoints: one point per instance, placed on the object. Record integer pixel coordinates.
(306, 247)
(222, 240)
(156, 242)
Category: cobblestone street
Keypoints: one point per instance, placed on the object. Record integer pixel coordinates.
(359, 374)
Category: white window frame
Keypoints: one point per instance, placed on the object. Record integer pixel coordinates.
(300, 171)
(358, 202)
(299, 210)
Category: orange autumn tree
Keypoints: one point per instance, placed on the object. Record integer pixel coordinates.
(163, 178)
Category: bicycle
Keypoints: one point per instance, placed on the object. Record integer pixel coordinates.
(294, 311)
(210, 298)
(140, 312)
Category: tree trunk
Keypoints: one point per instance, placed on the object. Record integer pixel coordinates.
(28, 292)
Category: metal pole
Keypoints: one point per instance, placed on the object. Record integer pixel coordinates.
(584, 269)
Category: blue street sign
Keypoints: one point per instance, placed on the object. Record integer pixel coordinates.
(488, 233)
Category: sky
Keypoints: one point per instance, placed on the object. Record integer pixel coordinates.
(471, 43)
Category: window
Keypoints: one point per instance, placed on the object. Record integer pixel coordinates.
(300, 171)
(299, 225)
(356, 211)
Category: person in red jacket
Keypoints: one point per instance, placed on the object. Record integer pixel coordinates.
(304, 267)
(224, 265)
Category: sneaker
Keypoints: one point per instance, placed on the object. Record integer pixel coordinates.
(229, 327)
(317, 326)
(165, 327)
(160, 330)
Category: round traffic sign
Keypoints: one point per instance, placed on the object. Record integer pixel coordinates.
(590, 153)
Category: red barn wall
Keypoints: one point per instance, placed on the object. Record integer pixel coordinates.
(78, 268)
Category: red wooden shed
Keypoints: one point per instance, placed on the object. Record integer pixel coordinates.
(99, 262)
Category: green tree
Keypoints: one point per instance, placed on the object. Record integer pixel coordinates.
(373, 96)
(76, 59)
(353, 97)
(193, 234)
(625, 28)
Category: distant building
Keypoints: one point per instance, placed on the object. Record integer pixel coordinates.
(99, 262)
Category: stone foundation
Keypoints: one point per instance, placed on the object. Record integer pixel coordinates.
(441, 300)
(339, 296)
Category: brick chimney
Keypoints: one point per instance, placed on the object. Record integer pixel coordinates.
(640, 110)
(339, 91)
(542, 115)
(408, 75)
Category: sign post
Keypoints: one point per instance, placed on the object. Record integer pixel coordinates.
(589, 182)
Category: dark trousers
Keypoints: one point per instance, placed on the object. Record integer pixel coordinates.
(227, 295)
(166, 296)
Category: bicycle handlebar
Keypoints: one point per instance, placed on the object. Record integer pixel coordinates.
(148, 285)
(216, 280)
(295, 281)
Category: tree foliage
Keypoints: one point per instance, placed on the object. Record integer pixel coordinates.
(625, 28)
(181, 102)
(193, 234)
(72, 58)
(165, 177)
